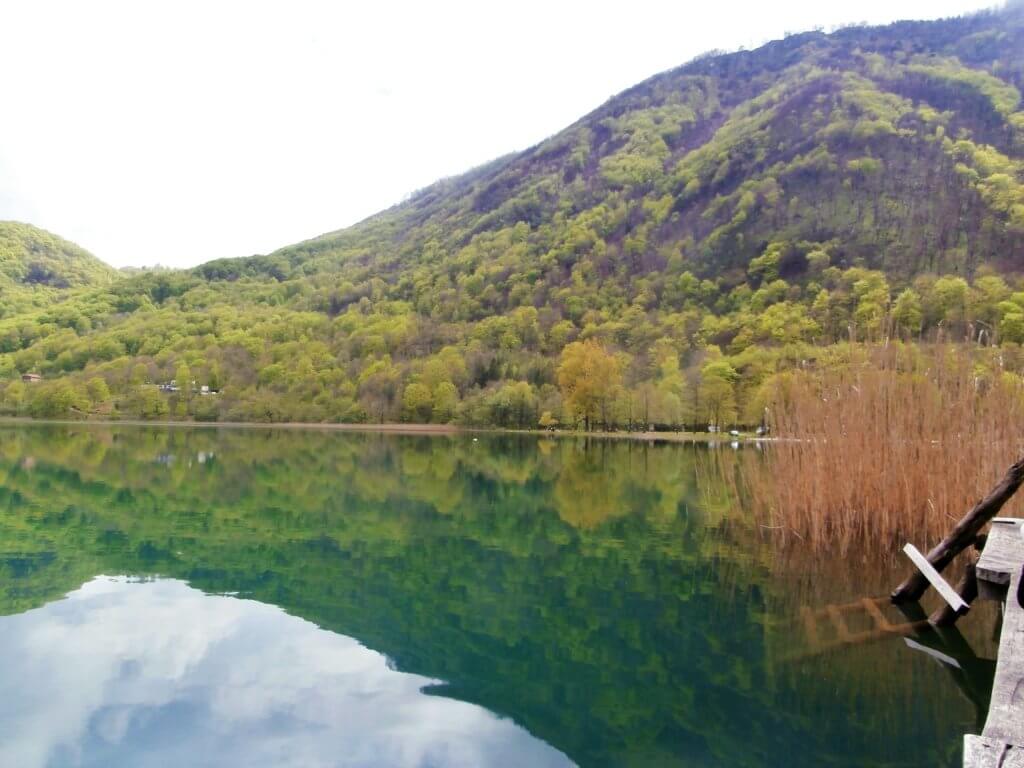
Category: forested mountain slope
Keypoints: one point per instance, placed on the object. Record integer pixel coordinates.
(682, 244)
(36, 265)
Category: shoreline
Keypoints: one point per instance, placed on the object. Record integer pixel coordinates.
(391, 428)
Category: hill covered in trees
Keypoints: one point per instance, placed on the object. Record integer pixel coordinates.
(36, 267)
(660, 261)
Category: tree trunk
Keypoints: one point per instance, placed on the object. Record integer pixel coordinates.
(964, 534)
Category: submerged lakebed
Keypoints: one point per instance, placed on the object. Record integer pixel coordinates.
(229, 597)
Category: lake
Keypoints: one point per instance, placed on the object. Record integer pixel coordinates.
(259, 597)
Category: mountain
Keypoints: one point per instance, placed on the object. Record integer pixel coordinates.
(897, 147)
(35, 265)
(689, 239)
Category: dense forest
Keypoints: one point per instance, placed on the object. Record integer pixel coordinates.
(658, 263)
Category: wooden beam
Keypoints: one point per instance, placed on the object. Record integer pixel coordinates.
(982, 752)
(963, 535)
(1004, 552)
(935, 579)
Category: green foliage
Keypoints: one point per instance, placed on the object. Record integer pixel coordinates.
(145, 402)
(57, 400)
(767, 204)
(417, 402)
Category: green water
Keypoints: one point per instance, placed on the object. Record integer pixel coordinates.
(286, 598)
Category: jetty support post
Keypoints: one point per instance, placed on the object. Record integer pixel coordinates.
(945, 615)
(963, 535)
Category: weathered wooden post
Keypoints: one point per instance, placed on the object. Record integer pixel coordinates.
(945, 615)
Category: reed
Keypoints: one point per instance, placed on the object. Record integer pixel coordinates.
(887, 444)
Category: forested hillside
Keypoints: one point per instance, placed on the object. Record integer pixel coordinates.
(36, 267)
(658, 262)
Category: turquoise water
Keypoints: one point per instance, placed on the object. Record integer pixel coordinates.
(287, 598)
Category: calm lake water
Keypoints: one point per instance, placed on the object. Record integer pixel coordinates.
(176, 597)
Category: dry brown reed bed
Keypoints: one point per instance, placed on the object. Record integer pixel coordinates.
(890, 444)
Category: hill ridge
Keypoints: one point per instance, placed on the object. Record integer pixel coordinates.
(694, 238)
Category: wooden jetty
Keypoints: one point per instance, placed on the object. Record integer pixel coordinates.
(999, 574)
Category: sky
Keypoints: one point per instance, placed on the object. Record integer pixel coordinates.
(178, 132)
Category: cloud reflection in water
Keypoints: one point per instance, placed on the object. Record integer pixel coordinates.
(125, 673)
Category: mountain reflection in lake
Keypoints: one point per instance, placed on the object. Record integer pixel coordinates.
(430, 601)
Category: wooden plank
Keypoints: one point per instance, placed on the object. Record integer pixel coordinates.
(1003, 553)
(980, 752)
(941, 585)
(1006, 709)
(983, 752)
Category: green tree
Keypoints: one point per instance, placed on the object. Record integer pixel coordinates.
(1011, 327)
(98, 390)
(58, 399)
(446, 402)
(147, 403)
(378, 388)
(906, 312)
(14, 394)
(417, 403)
(139, 374)
(183, 377)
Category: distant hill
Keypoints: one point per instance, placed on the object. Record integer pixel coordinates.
(34, 264)
(698, 234)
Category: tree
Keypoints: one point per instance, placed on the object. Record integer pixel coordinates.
(147, 403)
(139, 374)
(547, 421)
(417, 402)
(446, 402)
(948, 302)
(58, 399)
(98, 390)
(514, 404)
(14, 395)
(1011, 327)
(665, 404)
(183, 377)
(906, 312)
(717, 392)
(588, 376)
(378, 388)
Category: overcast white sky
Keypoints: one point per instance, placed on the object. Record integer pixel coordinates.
(177, 132)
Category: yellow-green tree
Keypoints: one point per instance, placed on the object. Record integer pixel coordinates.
(718, 392)
(98, 390)
(588, 376)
